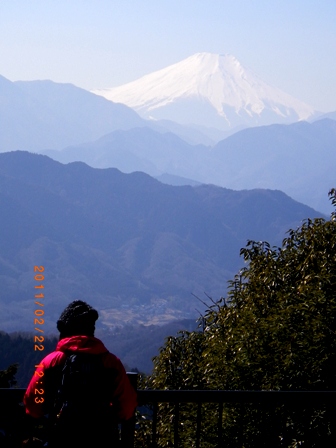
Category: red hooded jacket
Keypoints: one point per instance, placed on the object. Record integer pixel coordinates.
(124, 396)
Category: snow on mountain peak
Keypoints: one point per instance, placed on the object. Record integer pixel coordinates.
(211, 90)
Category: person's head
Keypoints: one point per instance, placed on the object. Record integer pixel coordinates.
(78, 318)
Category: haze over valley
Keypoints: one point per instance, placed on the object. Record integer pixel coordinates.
(135, 247)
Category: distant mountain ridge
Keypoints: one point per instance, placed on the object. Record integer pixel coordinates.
(40, 115)
(36, 115)
(298, 159)
(210, 90)
(329, 115)
(130, 245)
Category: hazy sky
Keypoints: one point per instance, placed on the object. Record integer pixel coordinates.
(291, 44)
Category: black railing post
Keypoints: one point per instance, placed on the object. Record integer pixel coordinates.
(154, 425)
(198, 424)
(220, 423)
(176, 424)
(128, 427)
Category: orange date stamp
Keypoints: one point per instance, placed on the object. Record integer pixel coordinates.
(38, 322)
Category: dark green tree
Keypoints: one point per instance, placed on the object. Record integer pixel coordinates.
(7, 377)
(276, 330)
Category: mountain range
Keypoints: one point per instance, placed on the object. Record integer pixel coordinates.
(209, 90)
(298, 159)
(40, 115)
(43, 116)
(37, 115)
(130, 245)
(138, 249)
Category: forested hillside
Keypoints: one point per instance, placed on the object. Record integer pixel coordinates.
(134, 248)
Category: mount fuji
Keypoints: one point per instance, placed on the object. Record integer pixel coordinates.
(210, 90)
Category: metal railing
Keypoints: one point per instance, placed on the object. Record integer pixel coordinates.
(268, 399)
(11, 407)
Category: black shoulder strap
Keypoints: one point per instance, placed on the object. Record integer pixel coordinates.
(84, 379)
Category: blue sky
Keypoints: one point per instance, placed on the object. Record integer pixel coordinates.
(291, 44)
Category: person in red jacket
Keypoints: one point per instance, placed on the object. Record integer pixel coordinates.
(76, 326)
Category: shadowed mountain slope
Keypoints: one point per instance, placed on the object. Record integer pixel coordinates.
(134, 247)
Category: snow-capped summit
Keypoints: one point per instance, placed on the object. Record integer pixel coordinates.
(210, 90)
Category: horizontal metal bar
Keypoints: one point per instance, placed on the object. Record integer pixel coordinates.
(12, 394)
(213, 396)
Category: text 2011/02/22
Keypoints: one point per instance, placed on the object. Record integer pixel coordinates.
(38, 320)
